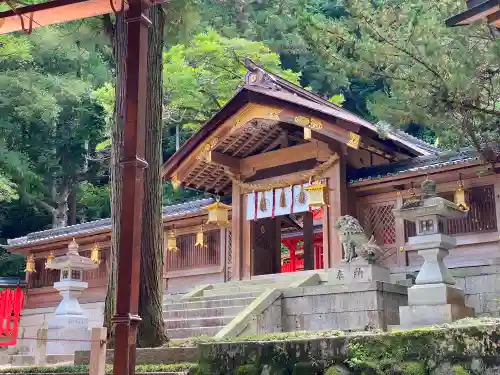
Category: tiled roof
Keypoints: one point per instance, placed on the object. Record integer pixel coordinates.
(412, 165)
(181, 209)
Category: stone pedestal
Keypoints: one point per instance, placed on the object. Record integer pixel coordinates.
(358, 271)
(68, 329)
(434, 299)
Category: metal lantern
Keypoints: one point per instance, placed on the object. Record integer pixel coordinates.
(30, 264)
(94, 254)
(172, 241)
(459, 197)
(49, 260)
(200, 238)
(316, 194)
(218, 213)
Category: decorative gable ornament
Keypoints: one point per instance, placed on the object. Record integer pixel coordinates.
(218, 213)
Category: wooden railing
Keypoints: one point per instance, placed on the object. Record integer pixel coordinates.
(190, 256)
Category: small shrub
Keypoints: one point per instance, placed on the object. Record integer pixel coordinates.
(413, 368)
(247, 370)
(333, 371)
(459, 370)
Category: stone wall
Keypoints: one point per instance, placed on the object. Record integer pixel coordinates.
(471, 350)
(481, 285)
(358, 306)
(34, 319)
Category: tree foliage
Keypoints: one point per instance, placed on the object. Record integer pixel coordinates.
(445, 78)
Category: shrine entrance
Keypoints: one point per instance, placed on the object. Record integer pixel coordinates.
(287, 243)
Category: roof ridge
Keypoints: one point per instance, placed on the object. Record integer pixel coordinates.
(167, 211)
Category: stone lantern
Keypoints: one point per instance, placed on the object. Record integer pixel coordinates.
(435, 298)
(70, 323)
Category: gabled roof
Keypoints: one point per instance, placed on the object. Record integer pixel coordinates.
(177, 210)
(262, 86)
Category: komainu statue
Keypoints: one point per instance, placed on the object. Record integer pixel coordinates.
(355, 242)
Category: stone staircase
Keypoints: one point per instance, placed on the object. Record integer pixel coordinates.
(207, 314)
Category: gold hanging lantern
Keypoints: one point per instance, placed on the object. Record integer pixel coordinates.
(316, 194)
(172, 241)
(200, 238)
(218, 213)
(30, 264)
(94, 254)
(49, 260)
(459, 196)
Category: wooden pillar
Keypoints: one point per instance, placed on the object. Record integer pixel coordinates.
(277, 246)
(247, 229)
(236, 232)
(400, 234)
(133, 164)
(336, 181)
(308, 228)
(293, 257)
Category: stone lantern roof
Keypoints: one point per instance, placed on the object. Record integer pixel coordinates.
(72, 260)
(429, 204)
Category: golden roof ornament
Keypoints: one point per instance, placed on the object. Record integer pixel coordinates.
(30, 264)
(218, 213)
(49, 260)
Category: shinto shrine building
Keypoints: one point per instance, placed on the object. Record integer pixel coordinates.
(263, 154)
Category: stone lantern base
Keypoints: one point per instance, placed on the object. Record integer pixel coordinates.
(68, 330)
(435, 299)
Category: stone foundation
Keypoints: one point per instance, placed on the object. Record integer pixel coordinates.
(358, 306)
(481, 285)
(452, 351)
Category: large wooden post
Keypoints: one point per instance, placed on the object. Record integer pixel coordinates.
(308, 229)
(236, 232)
(133, 164)
(337, 206)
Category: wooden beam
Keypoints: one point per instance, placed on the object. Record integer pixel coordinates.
(291, 155)
(283, 170)
(225, 160)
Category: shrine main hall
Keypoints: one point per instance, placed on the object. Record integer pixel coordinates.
(276, 167)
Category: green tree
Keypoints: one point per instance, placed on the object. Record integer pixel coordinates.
(48, 117)
(445, 78)
(203, 75)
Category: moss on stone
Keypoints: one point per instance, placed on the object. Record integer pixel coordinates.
(305, 368)
(413, 368)
(247, 370)
(459, 370)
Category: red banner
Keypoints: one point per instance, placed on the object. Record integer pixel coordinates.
(11, 304)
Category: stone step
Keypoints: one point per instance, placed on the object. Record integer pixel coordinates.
(243, 283)
(203, 312)
(198, 322)
(224, 295)
(254, 290)
(201, 303)
(184, 333)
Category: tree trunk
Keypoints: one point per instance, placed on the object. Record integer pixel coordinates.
(72, 205)
(120, 49)
(151, 331)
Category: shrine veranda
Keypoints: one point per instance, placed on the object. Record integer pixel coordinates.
(260, 155)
